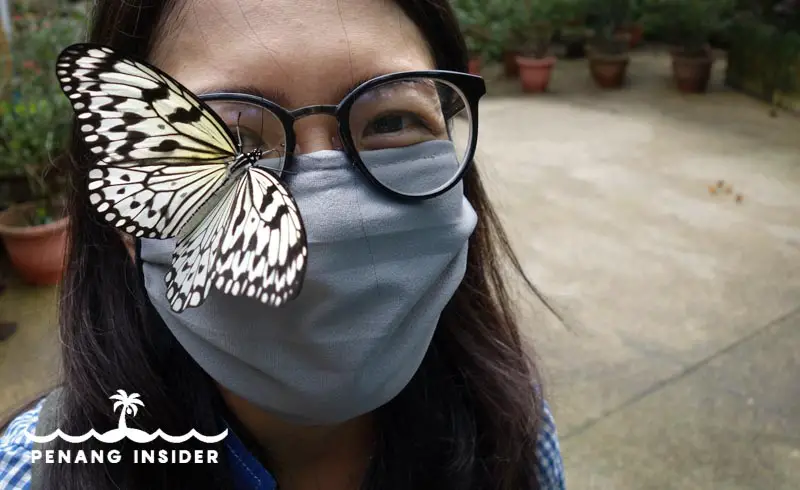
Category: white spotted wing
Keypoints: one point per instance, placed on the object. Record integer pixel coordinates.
(160, 151)
(162, 161)
(251, 244)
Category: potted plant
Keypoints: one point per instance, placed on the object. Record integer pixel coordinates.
(510, 53)
(473, 17)
(534, 36)
(500, 31)
(34, 231)
(35, 128)
(608, 49)
(632, 27)
(476, 38)
(511, 29)
(573, 32)
(538, 21)
(688, 26)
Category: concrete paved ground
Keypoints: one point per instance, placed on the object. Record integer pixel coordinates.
(678, 362)
(29, 359)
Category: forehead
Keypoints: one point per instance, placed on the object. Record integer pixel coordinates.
(307, 49)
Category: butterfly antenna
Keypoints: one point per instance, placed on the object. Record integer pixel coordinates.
(238, 131)
(261, 146)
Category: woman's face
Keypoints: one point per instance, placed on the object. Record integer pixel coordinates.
(296, 52)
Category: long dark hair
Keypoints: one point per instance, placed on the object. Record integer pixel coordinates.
(469, 419)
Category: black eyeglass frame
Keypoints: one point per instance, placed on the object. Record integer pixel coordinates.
(471, 87)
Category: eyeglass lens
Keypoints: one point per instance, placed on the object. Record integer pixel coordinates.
(412, 135)
(255, 127)
(408, 136)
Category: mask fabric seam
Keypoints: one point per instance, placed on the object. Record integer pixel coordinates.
(364, 231)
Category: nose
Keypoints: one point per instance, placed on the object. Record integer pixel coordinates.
(315, 129)
(316, 133)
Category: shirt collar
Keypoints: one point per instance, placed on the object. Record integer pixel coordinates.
(248, 472)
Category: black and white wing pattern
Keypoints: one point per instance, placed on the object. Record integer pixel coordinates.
(161, 152)
(251, 244)
(163, 170)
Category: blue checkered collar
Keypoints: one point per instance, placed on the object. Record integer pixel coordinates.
(248, 472)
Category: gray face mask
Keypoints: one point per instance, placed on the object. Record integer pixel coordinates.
(380, 272)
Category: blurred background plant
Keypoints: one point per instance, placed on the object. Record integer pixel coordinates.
(33, 133)
(34, 113)
(783, 14)
(535, 22)
(688, 25)
(481, 21)
(606, 19)
(764, 56)
(502, 29)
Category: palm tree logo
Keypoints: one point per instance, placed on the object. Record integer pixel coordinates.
(130, 405)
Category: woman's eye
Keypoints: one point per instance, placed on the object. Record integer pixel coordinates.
(249, 139)
(392, 123)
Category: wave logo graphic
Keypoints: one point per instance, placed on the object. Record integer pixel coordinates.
(130, 405)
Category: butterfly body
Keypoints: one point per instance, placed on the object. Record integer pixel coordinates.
(242, 162)
(234, 172)
(167, 166)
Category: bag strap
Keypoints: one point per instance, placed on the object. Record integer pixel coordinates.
(46, 424)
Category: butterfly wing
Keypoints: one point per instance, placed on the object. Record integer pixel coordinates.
(192, 272)
(253, 243)
(161, 152)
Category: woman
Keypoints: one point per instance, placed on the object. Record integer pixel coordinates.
(413, 375)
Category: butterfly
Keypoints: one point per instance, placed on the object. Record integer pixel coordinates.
(167, 166)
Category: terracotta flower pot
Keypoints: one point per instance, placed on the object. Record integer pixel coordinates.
(36, 252)
(535, 73)
(608, 70)
(633, 34)
(510, 67)
(474, 66)
(637, 34)
(692, 73)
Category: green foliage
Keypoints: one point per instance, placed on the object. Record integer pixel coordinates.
(606, 18)
(688, 24)
(535, 21)
(763, 58)
(33, 131)
(478, 20)
(33, 134)
(492, 26)
(35, 116)
(636, 10)
(783, 14)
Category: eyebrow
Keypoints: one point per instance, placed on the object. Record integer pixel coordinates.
(274, 94)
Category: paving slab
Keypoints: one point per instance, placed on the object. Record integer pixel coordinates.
(29, 359)
(730, 422)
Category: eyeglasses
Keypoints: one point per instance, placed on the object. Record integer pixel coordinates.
(378, 122)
